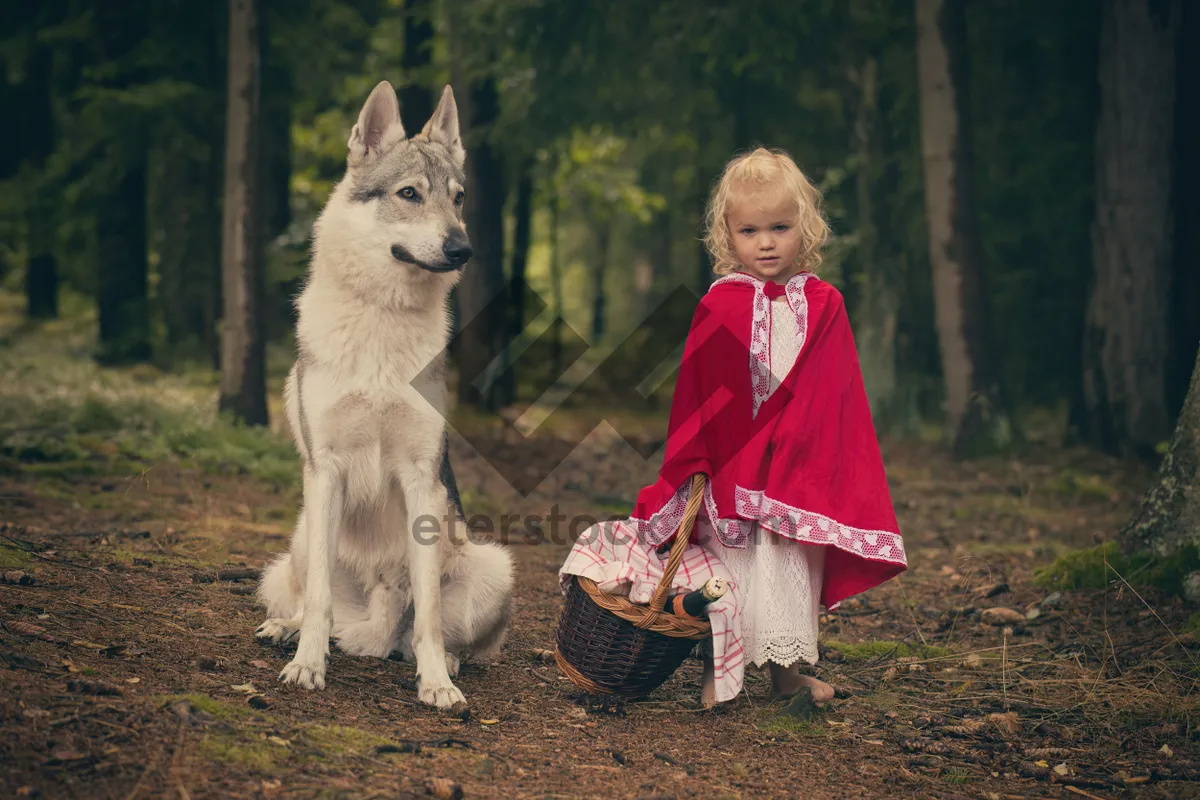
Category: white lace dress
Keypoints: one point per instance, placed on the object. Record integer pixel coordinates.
(779, 579)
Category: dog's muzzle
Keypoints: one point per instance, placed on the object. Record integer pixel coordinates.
(456, 249)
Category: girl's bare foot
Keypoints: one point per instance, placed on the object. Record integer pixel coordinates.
(708, 686)
(786, 681)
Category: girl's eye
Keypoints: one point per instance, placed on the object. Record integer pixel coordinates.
(459, 198)
(747, 231)
(408, 193)
(781, 228)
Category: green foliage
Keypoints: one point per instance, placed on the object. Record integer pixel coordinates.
(59, 409)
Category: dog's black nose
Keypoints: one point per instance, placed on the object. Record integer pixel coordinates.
(457, 250)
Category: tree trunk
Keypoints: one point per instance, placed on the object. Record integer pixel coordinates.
(556, 289)
(975, 410)
(1185, 288)
(522, 236)
(599, 295)
(1126, 333)
(875, 317)
(243, 349)
(1168, 519)
(416, 99)
(188, 237)
(122, 298)
(484, 311)
(41, 271)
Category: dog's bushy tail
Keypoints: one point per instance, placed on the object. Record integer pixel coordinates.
(279, 590)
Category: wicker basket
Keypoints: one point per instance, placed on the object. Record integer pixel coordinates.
(608, 645)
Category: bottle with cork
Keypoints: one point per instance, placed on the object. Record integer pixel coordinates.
(694, 604)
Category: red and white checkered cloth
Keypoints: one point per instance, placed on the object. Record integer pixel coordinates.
(611, 555)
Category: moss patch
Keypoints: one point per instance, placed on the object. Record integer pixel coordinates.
(261, 755)
(12, 557)
(1094, 567)
(202, 702)
(343, 740)
(874, 649)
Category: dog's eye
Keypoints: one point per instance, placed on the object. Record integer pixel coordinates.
(409, 193)
(459, 198)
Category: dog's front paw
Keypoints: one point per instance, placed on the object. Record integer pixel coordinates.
(276, 630)
(452, 665)
(304, 675)
(442, 695)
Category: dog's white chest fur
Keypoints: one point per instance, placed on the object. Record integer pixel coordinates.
(367, 391)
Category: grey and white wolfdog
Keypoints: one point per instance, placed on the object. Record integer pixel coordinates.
(380, 558)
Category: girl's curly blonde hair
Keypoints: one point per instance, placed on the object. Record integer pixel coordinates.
(765, 175)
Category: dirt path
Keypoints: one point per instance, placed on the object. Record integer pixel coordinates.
(132, 669)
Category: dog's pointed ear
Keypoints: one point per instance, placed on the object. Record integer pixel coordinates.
(378, 127)
(443, 127)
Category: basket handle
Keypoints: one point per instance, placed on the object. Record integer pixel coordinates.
(659, 598)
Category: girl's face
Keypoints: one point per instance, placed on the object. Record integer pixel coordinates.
(765, 237)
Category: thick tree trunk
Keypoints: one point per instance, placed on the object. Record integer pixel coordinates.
(483, 309)
(1185, 287)
(41, 204)
(976, 414)
(416, 99)
(599, 293)
(189, 253)
(1169, 517)
(1126, 341)
(875, 316)
(243, 349)
(122, 298)
(41, 270)
(556, 289)
(185, 203)
(522, 237)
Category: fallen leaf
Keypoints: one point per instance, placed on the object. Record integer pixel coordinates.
(488, 721)
(247, 687)
(443, 789)
(260, 664)
(1001, 616)
(992, 590)
(1008, 723)
(1033, 614)
(17, 578)
(133, 680)
(279, 741)
(1045, 764)
(972, 661)
(1062, 769)
(1166, 750)
(24, 628)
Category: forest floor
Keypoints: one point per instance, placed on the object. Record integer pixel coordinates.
(128, 547)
